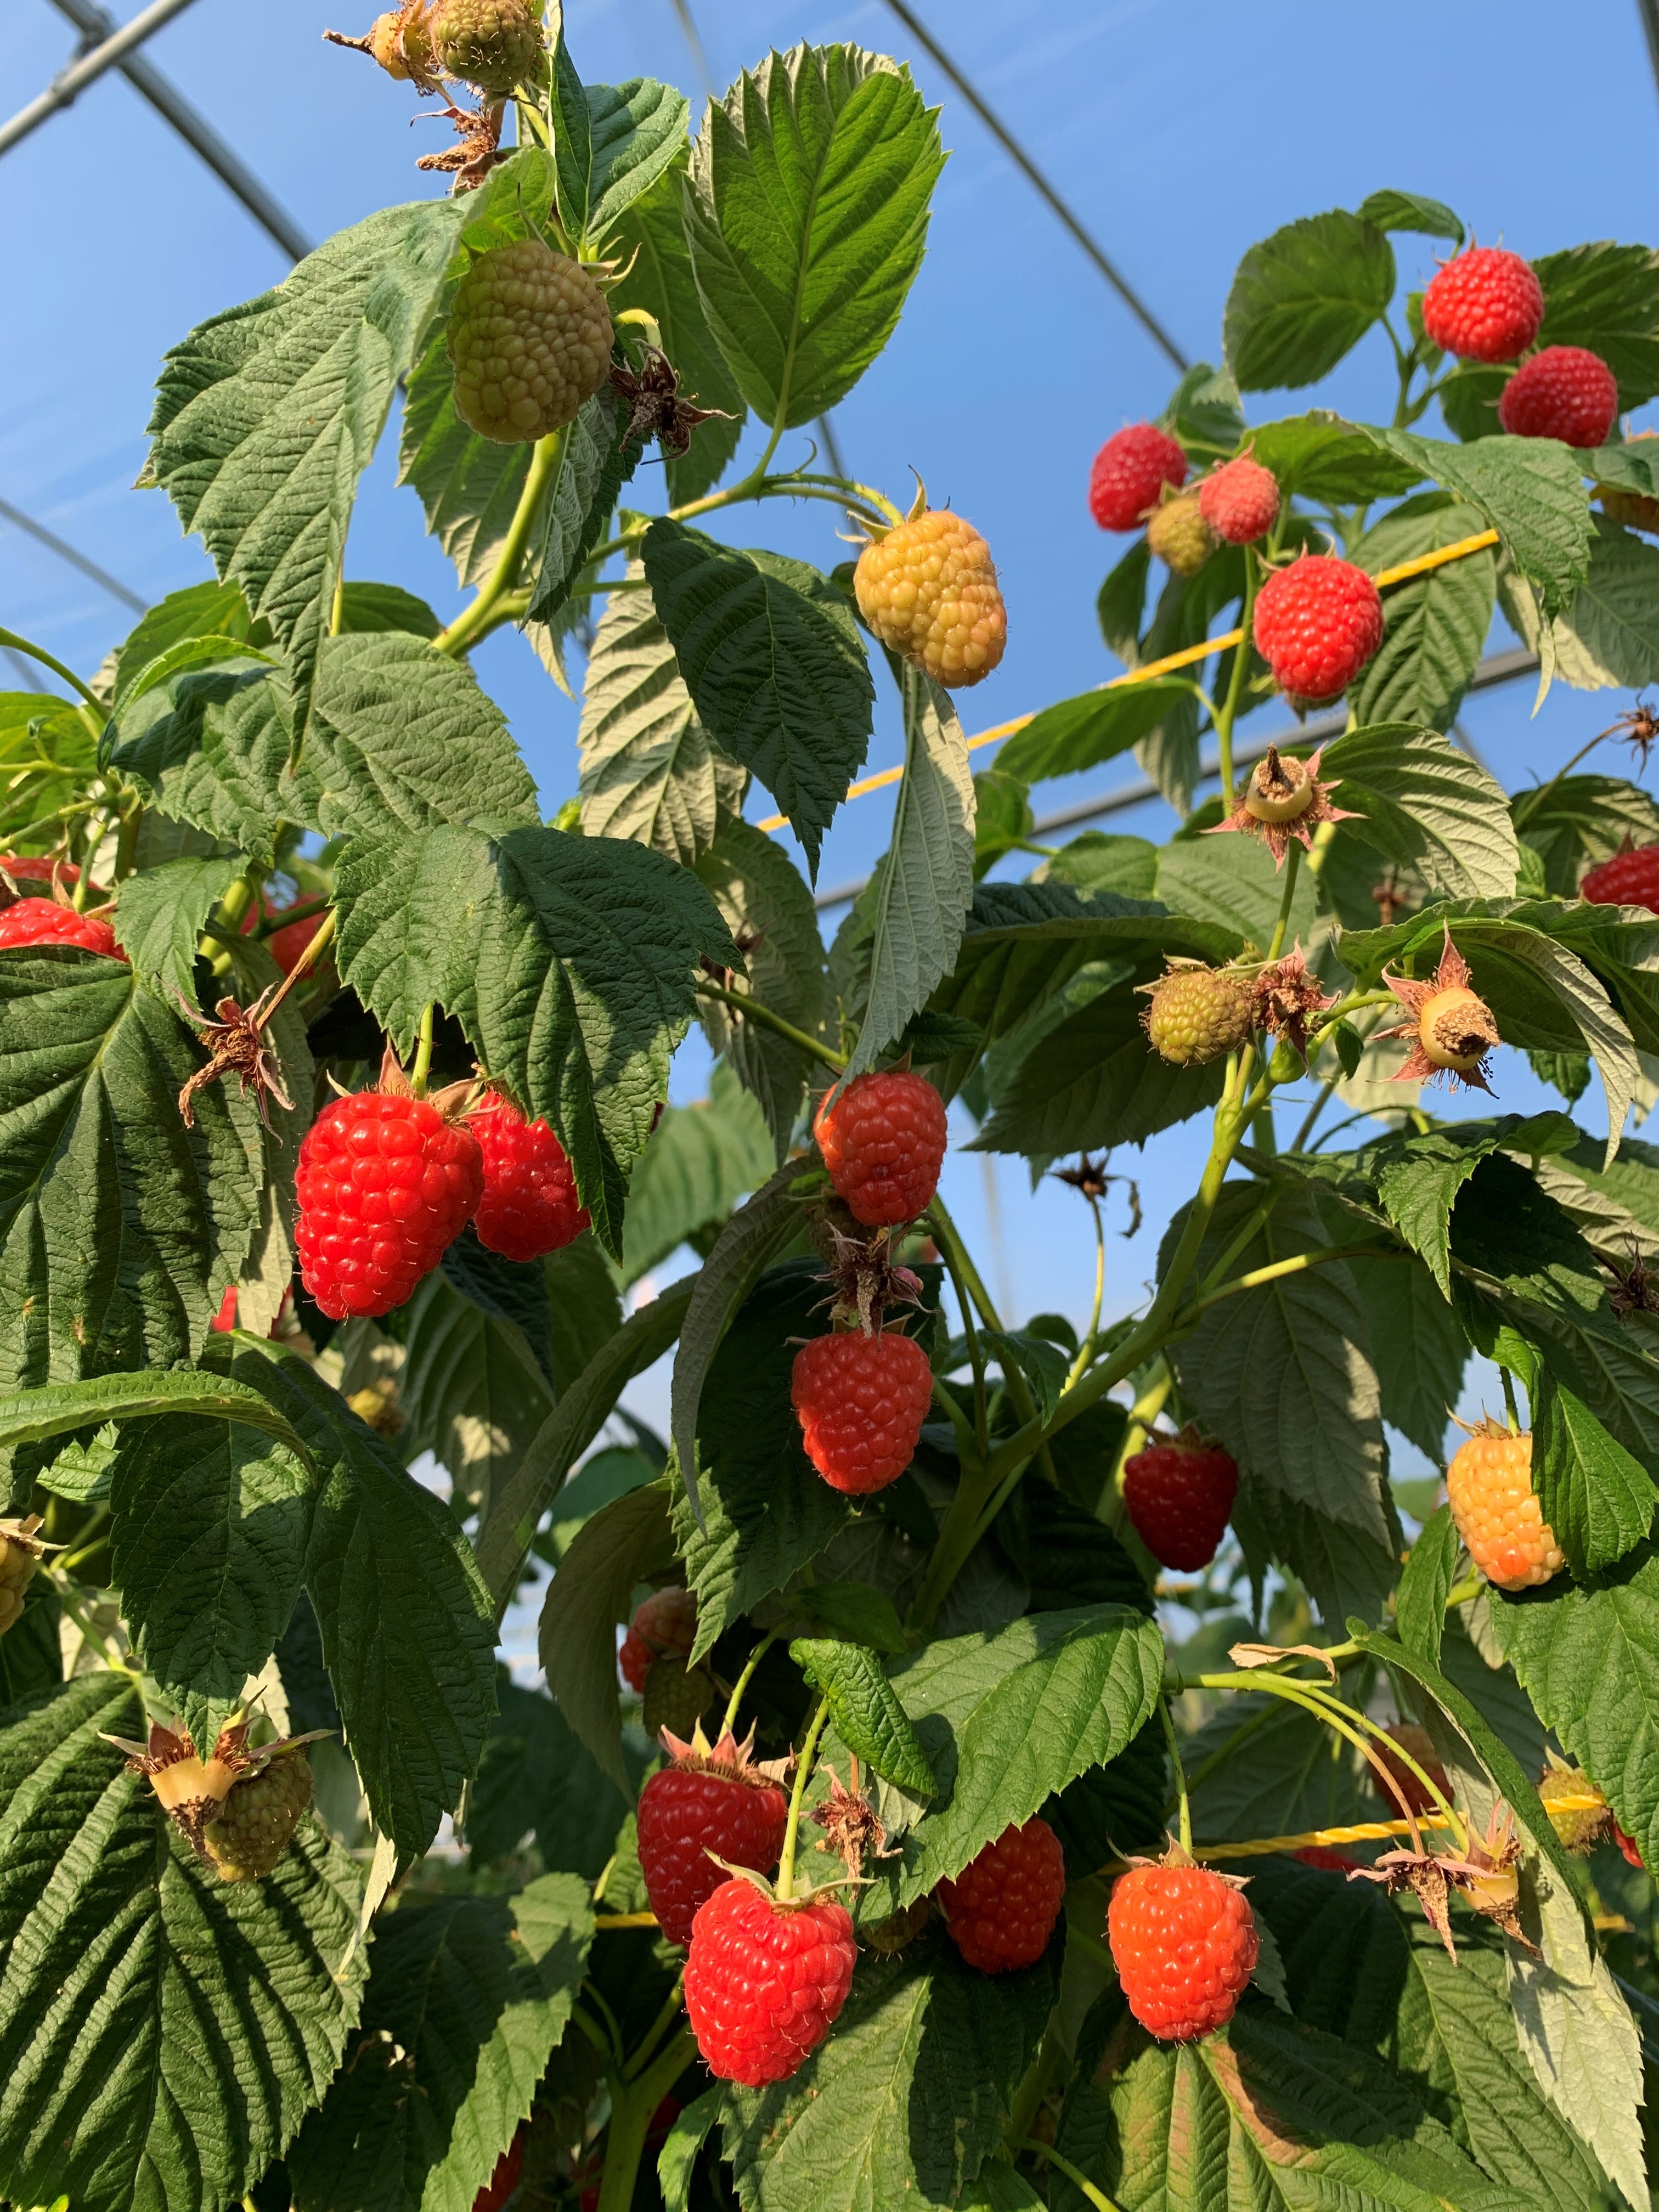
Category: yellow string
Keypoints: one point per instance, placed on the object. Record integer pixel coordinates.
(1203, 651)
(1363, 1831)
(624, 1920)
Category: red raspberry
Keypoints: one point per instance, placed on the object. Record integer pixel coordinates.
(1421, 1744)
(664, 1621)
(1000, 1910)
(1627, 1846)
(1130, 469)
(36, 868)
(883, 1140)
(1485, 305)
(1321, 1855)
(43, 921)
(1566, 392)
(385, 1186)
(286, 945)
(530, 1206)
(708, 1800)
(765, 1981)
(1629, 878)
(1317, 624)
(1184, 1943)
(509, 2172)
(861, 1401)
(225, 1320)
(1178, 1491)
(1240, 501)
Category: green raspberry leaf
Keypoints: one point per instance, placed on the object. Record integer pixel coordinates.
(1597, 1497)
(467, 1999)
(159, 915)
(1606, 297)
(266, 416)
(865, 1707)
(703, 1160)
(203, 2019)
(1411, 211)
(1423, 802)
(1435, 625)
(771, 654)
(806, 213)
(625, 1543)
(1304, 297)
(539, 1779)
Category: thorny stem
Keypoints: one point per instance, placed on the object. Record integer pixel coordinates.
(1224, 721)
(632, 2103)
(9, 637)
(745, 1679)
(756, 1012)
(423, 1067)
(785, 1881)
(474, 623)
(1074, 2174)
(1184, 1803)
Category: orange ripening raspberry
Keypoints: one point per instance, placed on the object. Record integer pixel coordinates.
(1240, 500)
(1184, 1942)
(861, 1401)
(1489, 1486)
(883, 1140)
(1001, 1909)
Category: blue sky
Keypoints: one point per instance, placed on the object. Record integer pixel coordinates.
(1181, 136)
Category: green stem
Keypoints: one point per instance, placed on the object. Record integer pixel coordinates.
(1074, 2174)
(785, 1882)
(302, 910)
(1184, 1803)
(1224, 721)
(473, 621)
(967, 1442)
(672, 2006)
(1049, 2062)
(1461, 1593)
(1360, 1249)
(1144, 1411)
(10, 637)
(422, 1066)
(755, 1011)
(730, 1722)
(632, 2103)
(126, 843)
(1085, 1350)
(1512, 1411)
(1292, 865)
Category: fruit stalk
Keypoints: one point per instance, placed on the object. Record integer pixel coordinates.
(632, 2103)
(785, 1885)
(476, 621)
(1074, 2174)
(763, 1014)
(1229, 711)
(729, 1725)
(1184, 1803)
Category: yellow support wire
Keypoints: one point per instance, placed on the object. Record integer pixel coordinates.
(1203, 651)
(1361, 1832)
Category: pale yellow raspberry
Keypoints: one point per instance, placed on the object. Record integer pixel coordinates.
(529, 337)
(928, 589)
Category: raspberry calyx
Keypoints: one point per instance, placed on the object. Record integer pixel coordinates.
(1452, 1028)
(1283, 798)
(21, 1552)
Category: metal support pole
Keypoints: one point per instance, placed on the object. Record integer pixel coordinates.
(87, 70)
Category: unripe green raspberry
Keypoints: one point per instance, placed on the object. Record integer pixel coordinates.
(1177, 533)
(530, 338)
(1197, 1014)
(676, 1696)
(493, 44)
(257, 1821)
